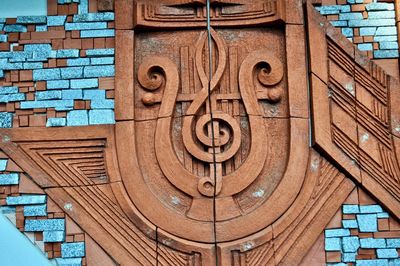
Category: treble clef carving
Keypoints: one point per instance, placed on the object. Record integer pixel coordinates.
(157, 72)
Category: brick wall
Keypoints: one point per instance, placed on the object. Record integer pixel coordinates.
(370, 24)
(58, 70)
(362, 234)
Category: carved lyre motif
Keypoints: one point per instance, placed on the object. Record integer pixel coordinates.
(156, 72)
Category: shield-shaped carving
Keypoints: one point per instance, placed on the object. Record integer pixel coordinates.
(210, 151)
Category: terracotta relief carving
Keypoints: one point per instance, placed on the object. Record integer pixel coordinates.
(356, 95)
(192, 13)
(210, 160)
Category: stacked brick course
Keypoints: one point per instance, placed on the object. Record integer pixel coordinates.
(58, 70)
(369, 24)
(46, 225)
(362, 234)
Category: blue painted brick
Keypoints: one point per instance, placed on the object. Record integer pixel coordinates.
(388, 45)
(72, 72)
(58, 84)
(58, 104)
(97, 117)
(392, 38)
(367, 31)
(372, 243)
(337, 232)
(393, 242)
(380, 262)
(26, 199)
(100, 52)
(13, 66)
(6, 120)
(78, 62)
(56, 122)
(386, 53)
(333, 244)
(72, 94)
(367, 222)
(383, 215)
(31, 20)
(99, 71)
(351, 15)
(379, 6)
(53, 237)
(67, 53)
(56, 20)
(37, 65)
(5, 98)
(9, 179)
(94, 95)
(47, 74)
(329, 10)
(386, 31)
(45, 225)
(41, 28)
(77, 118)
(349, 224)
(365, 47)
(8, 90)
(349, 257)
(370, 208)
(387, 253)
(348, 32)
(381, 14)
(371, 22)
(3, 38)
(102, 104)
(97, 33)
(102, 61)
(35, 210)
(350, 244)
(73, 250)
(91, 17)
(3, 164)
(84, 83)
(69, 262)
(48, 95)
(86, 26)
(83, 7)
(15, 28)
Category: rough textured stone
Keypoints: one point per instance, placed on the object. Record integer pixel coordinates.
(387, 253)
(367, 222)
(337, 232)
(48, 95)
(333, 244)
(99, 71)
(91, 17)
(97, 117)
(35, 210)
(350, 224)
(102, 61)
(32, 20)
(26, 199)
(67, 53)
(97, 33)
(77, 118)
(56, 20)
(15, 28)
(58, 84)
(8, 90)
(69, 262)
(5, 120)
(372, 243)
(84, 83)
(73, 250)
(78, 62)
(86, 26)
(58, 104)
(3, 164)
(100, 52)
(47, 74)
(53, 236)
(72, 72)
(350, 244)
(56, 122)
(44, 225)
(9, 179)
(72, 94)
